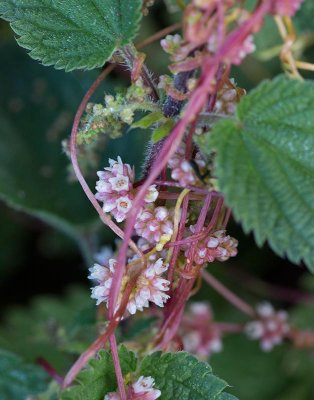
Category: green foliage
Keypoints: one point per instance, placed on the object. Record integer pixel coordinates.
(37, 107)
(163, 130)
(52, 328)
(111, 118)
(99, 378)
(181, 376)
(36, 111)
(304, 17)
(72, 34)
(18, 379)
(265, 166)
(148, 120)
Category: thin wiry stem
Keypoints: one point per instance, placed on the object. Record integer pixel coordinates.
(228, 295)
(75, 164)
(117, 366)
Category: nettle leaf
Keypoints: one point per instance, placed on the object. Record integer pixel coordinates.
(18, 379)
(72, 34)
(181, 376)
(265, 166)
(99, 378)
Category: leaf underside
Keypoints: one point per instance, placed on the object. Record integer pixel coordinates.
(265, 166)
(72, 34)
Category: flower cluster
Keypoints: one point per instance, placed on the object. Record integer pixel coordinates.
(115, 189)
(270, 328)
(218, 246)
(245, 48)
(142, 389)
(153, 223)
(182, 170)
(227, 98)
(200, 335)
(150, 286)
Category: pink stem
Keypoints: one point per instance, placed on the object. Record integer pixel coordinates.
(226, 327)
(198, 228)
(117, 366)
(50, 370)
(74, 160)
(192, 188)
(228, 295)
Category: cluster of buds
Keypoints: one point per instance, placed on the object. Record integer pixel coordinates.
(150, 286)
(115, 189)
(154, 224)
(171, 43)
(200, 335)
(270, 328)
(142, 389)
(117, 111)
(182, 170)
(227, 98)
(218, 246)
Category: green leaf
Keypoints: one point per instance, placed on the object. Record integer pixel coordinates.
(49, 327)
(18, 379)
(37, 107)
(162, 130)
(181, 376)
(148, 120)
(99, 377)
(226, 396)
(265, 166)
(72, 34)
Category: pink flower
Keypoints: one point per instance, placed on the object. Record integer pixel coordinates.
(218, 246)
(182, 170)
(115, 189)
(103, 275)
(270, 328)
(227, 98)
(153, 222)
(286, 7)
(200, 335)
(142, 389)
(150, 286)
(246, 48)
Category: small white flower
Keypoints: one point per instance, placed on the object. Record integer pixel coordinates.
(151, 195)
(119, 183)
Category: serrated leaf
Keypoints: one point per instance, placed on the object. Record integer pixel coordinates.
(163, 130)
(99, 378)
(265, 166)
(180, 376)
(18, 379)
(72, 34)
(148, 120)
